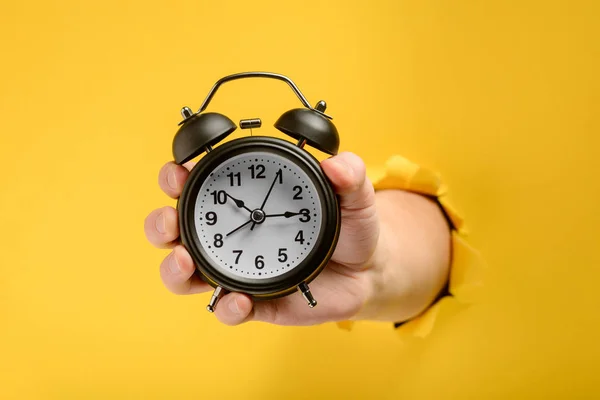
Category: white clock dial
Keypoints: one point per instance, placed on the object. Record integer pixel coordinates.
(258, 215)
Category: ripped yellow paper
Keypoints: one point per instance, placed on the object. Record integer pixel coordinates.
(467, 265)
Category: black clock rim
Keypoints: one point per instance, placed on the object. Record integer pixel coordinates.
(283, 284)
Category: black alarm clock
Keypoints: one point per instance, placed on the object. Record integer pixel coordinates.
(257, 214)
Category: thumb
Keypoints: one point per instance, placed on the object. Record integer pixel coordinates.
(347, 173)
(234, 309)
(360, 229)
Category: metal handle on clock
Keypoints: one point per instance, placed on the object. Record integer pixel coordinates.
(319, 108)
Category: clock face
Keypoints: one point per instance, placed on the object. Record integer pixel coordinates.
(257, 215)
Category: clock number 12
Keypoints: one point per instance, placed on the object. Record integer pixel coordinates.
(257, 171)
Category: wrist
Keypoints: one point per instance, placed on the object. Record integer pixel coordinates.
(411, 262)
(383, 286)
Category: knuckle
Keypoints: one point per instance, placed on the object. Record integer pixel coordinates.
(165, 273)
(162, 173)
(150, 225)
(169, 212)
(185, 261)
(170, 280)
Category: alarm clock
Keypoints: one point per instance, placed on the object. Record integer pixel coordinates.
(257, 214)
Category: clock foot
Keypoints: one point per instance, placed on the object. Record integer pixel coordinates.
(307, 294)
(217, 294)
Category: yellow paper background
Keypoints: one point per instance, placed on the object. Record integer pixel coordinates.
(500, 97)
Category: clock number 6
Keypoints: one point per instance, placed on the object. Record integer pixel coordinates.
(259, 263)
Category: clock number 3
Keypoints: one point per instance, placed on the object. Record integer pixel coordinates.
(305, 215)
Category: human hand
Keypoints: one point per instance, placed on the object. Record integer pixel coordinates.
(344, 286)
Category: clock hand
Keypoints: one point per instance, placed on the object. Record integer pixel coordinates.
(237, 202)
(286, 214)
(268, 194)
(239, 227)
(270, 189)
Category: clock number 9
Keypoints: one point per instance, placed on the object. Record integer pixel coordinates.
(259, 263)
(211, 218)
(305, 215)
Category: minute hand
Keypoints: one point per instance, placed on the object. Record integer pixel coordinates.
(268, 194)
(270, 189)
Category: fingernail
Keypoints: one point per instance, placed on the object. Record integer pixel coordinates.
(234, 307)
(172, 180)
(161, 223)
(174, 265)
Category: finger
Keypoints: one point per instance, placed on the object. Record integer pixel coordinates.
(162, 227)
(347, 173)
(234, 309)
(189, 165)
(338, 300)
(177, 273)
(360, 229)
(171, 179)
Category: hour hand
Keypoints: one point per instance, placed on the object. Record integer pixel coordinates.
(238, 202)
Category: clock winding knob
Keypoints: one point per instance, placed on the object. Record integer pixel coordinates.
(321, 106)
(217, 294)
(186, 112)
(307, 294)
